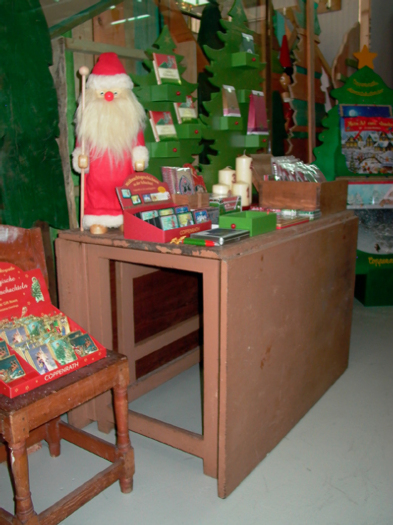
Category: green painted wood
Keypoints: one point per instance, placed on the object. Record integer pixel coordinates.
(31, 177)
(161, 97)
(223, 143)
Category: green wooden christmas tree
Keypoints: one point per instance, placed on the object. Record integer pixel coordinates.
(226, 136)
(31, 175)
(358, 139)
(182, 148)
(299, 90)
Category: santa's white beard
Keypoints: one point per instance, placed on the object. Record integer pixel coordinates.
(109, 126)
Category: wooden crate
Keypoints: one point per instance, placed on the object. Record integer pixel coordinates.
(329, 197)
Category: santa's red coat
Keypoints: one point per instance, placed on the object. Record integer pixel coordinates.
(102, 179)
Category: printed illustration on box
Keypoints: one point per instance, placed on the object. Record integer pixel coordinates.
(359, 135)
(150, 214)
(38, 343)
(110, 129)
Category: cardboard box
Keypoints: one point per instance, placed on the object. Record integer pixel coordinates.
(23, 294)
(143, 192)
(256, 222)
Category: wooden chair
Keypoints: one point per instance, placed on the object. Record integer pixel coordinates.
(35, 416)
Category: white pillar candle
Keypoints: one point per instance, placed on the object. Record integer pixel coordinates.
(221, 189)
(242, 189)
(243, 169)
(227, 176)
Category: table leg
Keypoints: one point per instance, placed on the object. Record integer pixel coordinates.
(123, 442)
(20, 473)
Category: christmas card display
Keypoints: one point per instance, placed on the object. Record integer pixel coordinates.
(225, 138)
(230, 105)
(186, 111)
(257, 117)
(358, 139)
(165, 68)
(150, 214)
(38, 343)
(247, 44)
(186, 185)
(162, 125)
(166, 97)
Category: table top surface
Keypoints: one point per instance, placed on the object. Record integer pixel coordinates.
(115, 238)
(8, 405)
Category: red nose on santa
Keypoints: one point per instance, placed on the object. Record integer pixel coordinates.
(111, 127)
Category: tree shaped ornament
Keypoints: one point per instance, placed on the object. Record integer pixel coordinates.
(166, 95)
(236, 74)
(358, 139)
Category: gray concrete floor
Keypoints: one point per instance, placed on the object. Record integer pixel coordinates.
(334, 468)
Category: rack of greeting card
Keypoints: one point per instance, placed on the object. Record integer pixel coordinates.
(150, 214)
(38, 342)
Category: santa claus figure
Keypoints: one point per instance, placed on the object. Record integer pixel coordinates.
(111, 129)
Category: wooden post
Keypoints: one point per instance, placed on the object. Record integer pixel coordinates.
(84, 71)
(310, 79)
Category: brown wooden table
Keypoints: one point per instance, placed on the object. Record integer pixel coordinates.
(276, 330)
(35, 416)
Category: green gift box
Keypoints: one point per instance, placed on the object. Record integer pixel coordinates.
(244, 59)
(256, 222)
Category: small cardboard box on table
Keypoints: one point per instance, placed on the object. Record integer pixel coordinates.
(143, 192)
(23, 294)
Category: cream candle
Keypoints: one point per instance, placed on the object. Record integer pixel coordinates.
(221, 189)
(242, 189)
(227, 176)
(243, 169)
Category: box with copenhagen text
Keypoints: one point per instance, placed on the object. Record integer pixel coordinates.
(38, 342)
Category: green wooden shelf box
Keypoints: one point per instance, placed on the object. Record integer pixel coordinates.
(256, 222)
(189, 131)
(168, 92)
(164, 149)
(250, 141)
(228, 123)
(244, 59)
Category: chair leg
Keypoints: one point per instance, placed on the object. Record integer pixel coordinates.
(123, 442)
(53, 437)
(20, 473)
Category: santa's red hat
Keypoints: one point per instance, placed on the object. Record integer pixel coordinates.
(109, 73)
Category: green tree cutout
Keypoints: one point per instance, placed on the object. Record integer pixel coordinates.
(161, 97)
(226, 137)
(364, 87)
(31, 175)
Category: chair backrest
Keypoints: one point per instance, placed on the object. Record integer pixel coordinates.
(24, 248)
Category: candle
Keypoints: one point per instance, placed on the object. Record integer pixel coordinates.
(243, 169)
(227, 176)
(221, 189)
(242, 189)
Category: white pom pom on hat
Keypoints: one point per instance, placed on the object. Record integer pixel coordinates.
(109, 73)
